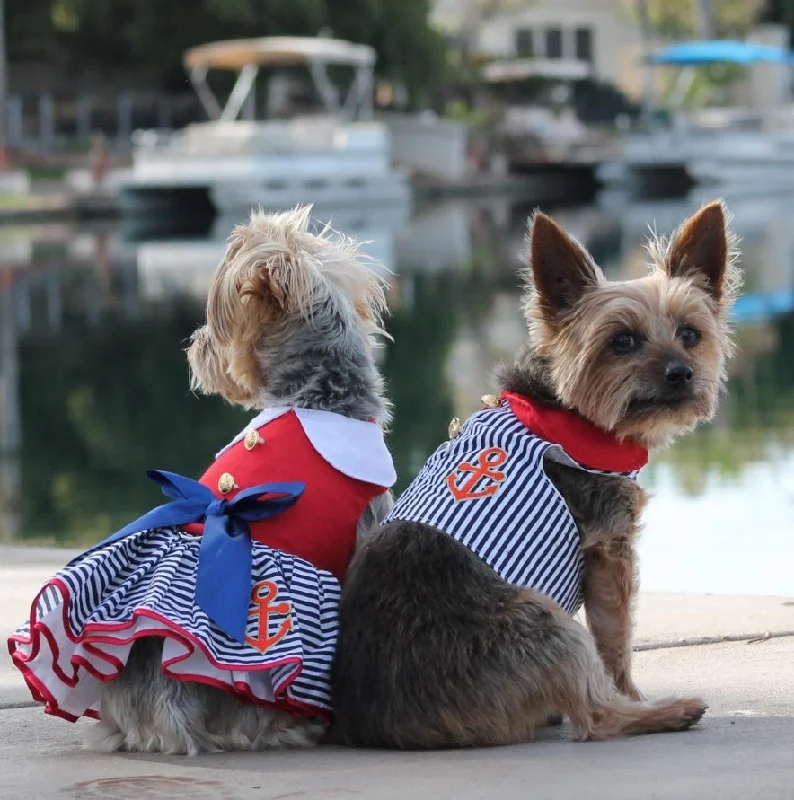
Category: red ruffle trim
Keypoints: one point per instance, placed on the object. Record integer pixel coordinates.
(105, 633)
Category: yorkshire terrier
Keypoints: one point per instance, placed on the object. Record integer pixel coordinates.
(456, 623)
(210, 623)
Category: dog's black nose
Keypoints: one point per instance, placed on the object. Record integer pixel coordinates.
(678, 373)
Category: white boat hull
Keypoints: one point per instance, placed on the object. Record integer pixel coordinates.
(724, 157)
(237, 165)
(769, 173)
(229, 196)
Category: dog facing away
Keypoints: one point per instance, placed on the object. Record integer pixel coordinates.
(141, 631)
(455, 618)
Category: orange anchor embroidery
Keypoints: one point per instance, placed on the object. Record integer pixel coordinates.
(484, 467)
(262, 597)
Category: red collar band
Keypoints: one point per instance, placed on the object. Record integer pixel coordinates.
(584, 442)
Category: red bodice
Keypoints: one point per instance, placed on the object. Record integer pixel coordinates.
(321, 526)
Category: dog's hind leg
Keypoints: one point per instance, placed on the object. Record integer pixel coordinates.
(555, 665)
(586, 693)
(435, 650)
(236, 725)
(143, 710)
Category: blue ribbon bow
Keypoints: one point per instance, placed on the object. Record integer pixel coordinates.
(223, 582)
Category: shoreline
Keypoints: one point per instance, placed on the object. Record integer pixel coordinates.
(60, 206)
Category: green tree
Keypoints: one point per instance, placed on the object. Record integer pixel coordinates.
(102, 407)
(758, 409)
(780, 12)
(147, 39)
(410, 51)
(715, 18)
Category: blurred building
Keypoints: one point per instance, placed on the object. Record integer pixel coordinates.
(602, 33)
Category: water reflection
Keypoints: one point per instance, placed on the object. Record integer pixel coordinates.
(94, 381)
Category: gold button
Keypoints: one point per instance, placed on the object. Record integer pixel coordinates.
(226, 483)
(490, 401)
(454, 427)
(252, 439)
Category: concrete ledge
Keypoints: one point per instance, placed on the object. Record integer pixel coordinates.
(742, 749)
(675, 618)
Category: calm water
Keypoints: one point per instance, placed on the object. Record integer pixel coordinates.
(94, 380)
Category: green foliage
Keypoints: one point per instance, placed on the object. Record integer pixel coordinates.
(100, 405)
(460, 110)
(147, 39)
(757, 416)
(409, 50)
(679, 18)
(780, 12)
(101, 408)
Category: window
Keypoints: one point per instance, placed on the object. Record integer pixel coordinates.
(584, 44)
(553, 43)
(524, 43)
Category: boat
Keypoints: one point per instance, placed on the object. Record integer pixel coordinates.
(334, 155)
(538, 134)
(731, 148)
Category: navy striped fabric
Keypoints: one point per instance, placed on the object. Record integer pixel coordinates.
(511, 516)
(154, 573)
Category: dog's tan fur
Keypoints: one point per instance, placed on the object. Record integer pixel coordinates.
(436, 649)
(693, 281)
(575, 311)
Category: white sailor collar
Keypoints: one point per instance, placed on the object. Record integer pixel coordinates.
(354, 447)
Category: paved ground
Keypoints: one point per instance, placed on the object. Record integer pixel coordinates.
(743, 749)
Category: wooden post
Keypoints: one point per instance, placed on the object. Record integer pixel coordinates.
(705, 18)
(3, 87)
(10, 412)
(46, 122)
(649, 89)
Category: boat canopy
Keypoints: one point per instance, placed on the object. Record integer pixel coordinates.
(522, 68)
(721, 51)
(278, 51)
(247, 56)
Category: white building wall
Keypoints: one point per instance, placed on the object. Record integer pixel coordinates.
(615, 37)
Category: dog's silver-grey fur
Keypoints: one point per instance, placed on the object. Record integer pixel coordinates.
(310, 351)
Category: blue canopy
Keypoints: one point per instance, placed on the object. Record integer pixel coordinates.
(759, 307)
(720, 51)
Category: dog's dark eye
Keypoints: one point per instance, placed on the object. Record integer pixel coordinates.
(688, 336)
(624, 342)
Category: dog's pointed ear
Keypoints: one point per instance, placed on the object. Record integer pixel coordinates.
(701, 249)
(561, 270)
